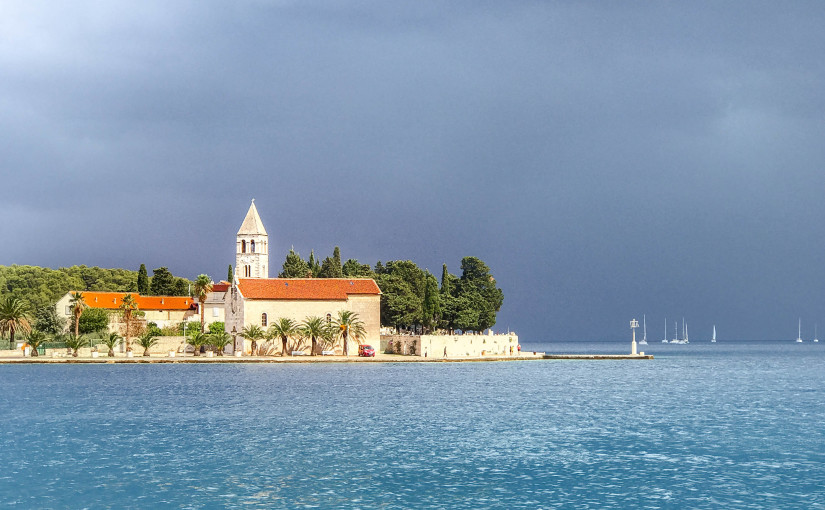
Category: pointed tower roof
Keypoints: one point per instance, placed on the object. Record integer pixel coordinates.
(252, 224)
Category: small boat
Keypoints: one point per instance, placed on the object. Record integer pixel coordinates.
(713, 340)
(799, 335)
(816, 340)
(644, 329)
(685, 336)
(676, 333)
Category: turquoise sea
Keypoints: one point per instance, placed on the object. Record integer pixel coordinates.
(727, 425)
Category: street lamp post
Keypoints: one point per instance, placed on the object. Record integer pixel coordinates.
(633, 325)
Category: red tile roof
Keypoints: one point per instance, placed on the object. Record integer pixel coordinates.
(306, 288)
(112, 300)
(220, 287)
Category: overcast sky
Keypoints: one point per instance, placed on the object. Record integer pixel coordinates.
(605, 159)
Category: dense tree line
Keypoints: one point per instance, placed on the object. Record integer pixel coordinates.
(411, 297)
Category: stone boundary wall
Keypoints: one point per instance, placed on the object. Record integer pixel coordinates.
(456, 346)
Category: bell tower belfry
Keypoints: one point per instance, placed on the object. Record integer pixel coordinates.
(252, 247)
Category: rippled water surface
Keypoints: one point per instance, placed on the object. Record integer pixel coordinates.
(701, 426)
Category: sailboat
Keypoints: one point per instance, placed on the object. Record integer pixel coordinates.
(685, 339)
(713, 340)
(816, 340)
(665, 340)
(675, 333)
(644, 326)
(799, 336)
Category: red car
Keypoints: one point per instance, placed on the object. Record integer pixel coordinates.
(366, 351)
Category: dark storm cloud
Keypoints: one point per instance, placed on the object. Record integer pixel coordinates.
(605, 160)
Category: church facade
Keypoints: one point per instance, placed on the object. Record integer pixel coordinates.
(255, 299)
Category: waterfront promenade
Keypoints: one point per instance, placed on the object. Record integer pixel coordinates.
(9, 357)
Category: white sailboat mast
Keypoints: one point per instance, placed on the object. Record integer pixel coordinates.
(644, 326)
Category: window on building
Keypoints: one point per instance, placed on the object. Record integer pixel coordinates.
(215, 312)
(263, 319)
(243, 246)
(247, 271)
(68, 310)
(251, 246)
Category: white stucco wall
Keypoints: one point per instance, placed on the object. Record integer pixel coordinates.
(458, 346)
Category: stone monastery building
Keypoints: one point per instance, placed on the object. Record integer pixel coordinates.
(255, 299)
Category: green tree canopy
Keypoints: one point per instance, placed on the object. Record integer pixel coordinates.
(353, 269)
(331, 266)
(47, 320)
(294, 266)
(477, 289)
(402, 285)
(164, 283)
(93, 320)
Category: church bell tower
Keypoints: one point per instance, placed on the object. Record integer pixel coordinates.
(252, 247)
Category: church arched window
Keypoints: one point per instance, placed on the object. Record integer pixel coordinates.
(263, 319)
(252, 246)
(243, 246)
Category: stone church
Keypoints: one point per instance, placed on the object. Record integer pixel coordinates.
(255, 299)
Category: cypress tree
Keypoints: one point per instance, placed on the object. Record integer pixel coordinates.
(229, 275)
(143, 280)
(445, 281)
(432, 305)
(336, 259)
(314, 266)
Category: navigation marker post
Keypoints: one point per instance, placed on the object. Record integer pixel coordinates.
(633, 325)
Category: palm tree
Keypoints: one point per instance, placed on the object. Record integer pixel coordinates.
(128, 305)
(349, 325)
(14, 316)
(313, 328)
(283, 328)
(197, 340)
(253, 334)
(328, 335)
(35, 338)
(203, 286)
(147, 341)
(220, 340)
(75, 343)
(77, 305)
(111, 342)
